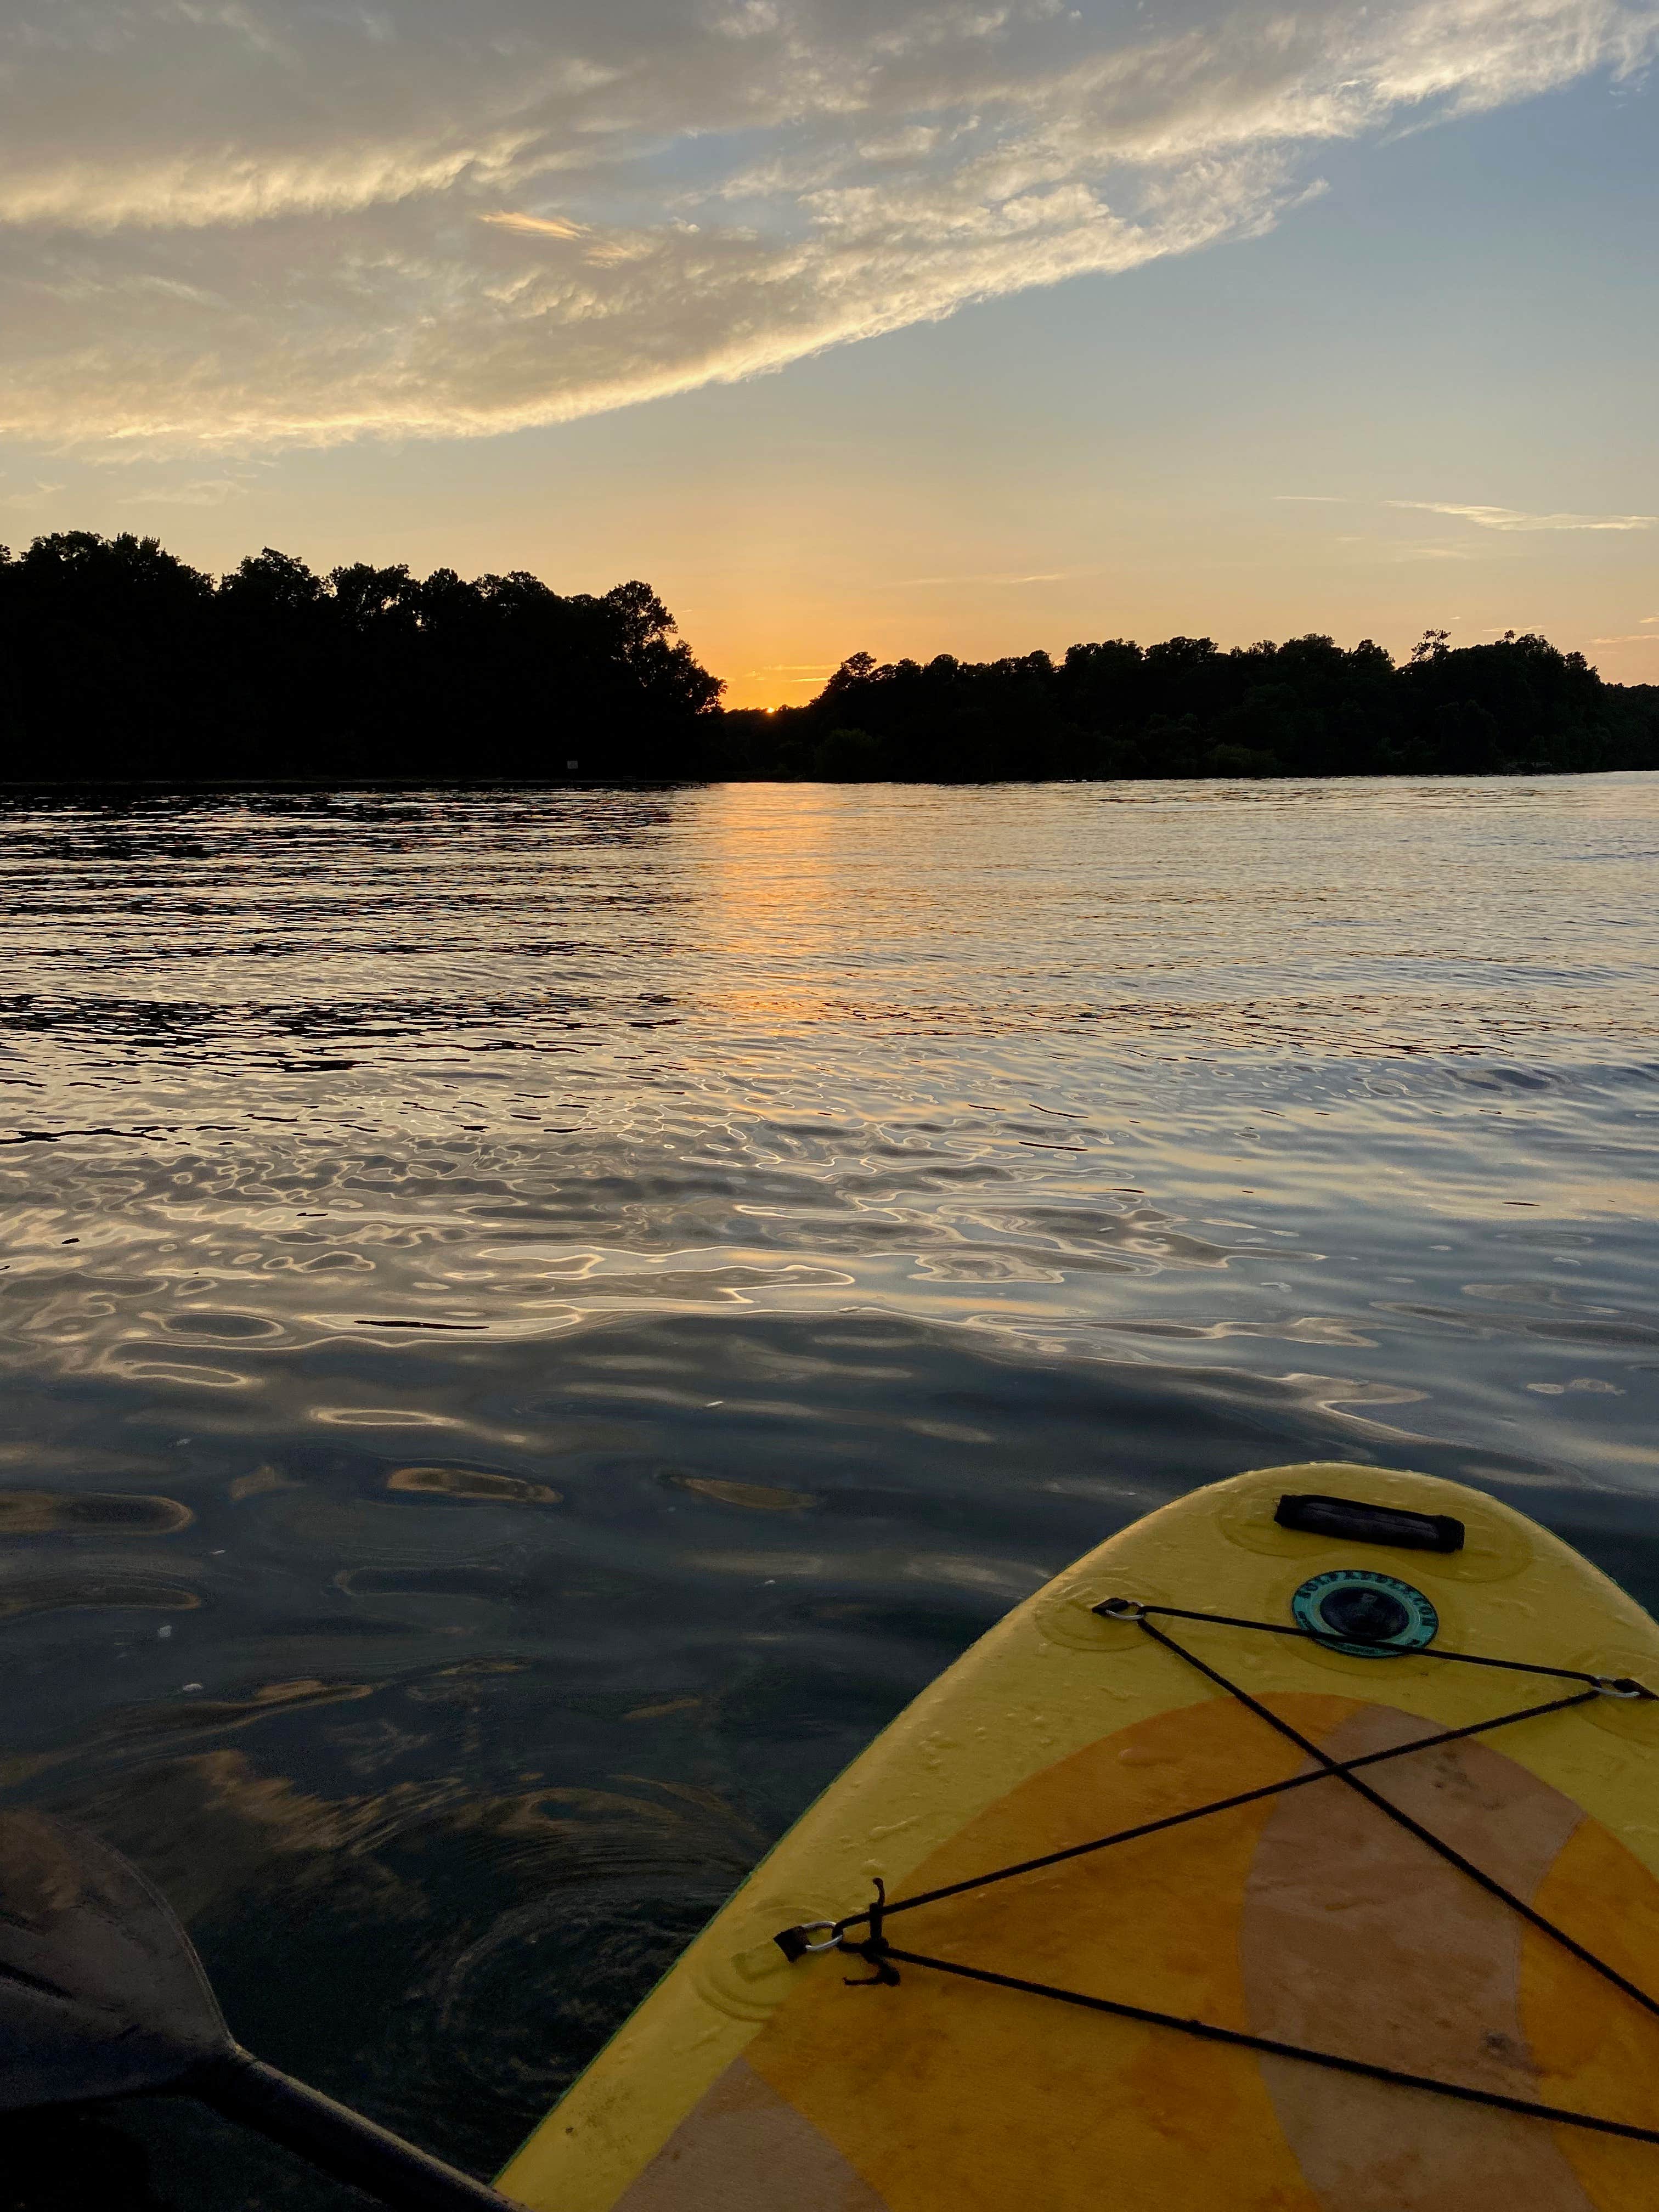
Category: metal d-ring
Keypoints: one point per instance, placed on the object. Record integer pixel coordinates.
(1120, 1608)
(1620, 1685)
(832, 1942)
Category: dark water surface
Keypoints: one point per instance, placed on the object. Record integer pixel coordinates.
(533, 1323)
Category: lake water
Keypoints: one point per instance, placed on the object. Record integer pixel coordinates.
(534, 1322)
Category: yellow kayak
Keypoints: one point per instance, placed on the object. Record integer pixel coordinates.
(1345, 1813)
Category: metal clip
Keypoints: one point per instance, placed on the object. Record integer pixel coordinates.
(873, 1949)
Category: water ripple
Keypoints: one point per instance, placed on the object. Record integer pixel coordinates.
(534, 1322)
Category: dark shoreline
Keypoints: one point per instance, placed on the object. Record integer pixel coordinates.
(10, 786)
(24, 787)
(135, 671)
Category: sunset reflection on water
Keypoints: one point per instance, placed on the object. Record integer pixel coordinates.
(536, 1321)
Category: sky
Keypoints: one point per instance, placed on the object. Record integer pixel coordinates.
(929, 325)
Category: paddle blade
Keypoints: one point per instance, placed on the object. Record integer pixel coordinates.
(102, 1994)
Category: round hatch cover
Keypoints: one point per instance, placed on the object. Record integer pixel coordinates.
(1371, 1615)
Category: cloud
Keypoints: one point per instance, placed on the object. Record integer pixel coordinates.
(1509, 518)
(200, 491)
(239, 223)
(36, 495)
(538, 226)
(990, 576)
(1630, 637)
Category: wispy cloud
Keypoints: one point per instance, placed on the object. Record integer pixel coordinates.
(1630, 637)
(242, 223)
(1509, 518)
(1309, 499)
(35, 495)
(989, 576)
(536, 225)
(199, 491)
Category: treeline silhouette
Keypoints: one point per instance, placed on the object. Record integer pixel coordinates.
(123, 662)
(1187, 709)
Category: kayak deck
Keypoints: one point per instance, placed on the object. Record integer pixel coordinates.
(1306, 1918)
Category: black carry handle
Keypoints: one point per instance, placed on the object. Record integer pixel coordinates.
(1358, 1522)
(341, 2141)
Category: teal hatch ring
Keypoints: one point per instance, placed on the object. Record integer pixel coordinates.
(1367, 1614)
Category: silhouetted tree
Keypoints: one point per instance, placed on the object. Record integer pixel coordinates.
(1185, 708)
(120, 661)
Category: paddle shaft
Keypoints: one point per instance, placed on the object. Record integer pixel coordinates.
(336, 2139)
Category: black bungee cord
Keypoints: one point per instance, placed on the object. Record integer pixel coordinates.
(884, 1957)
